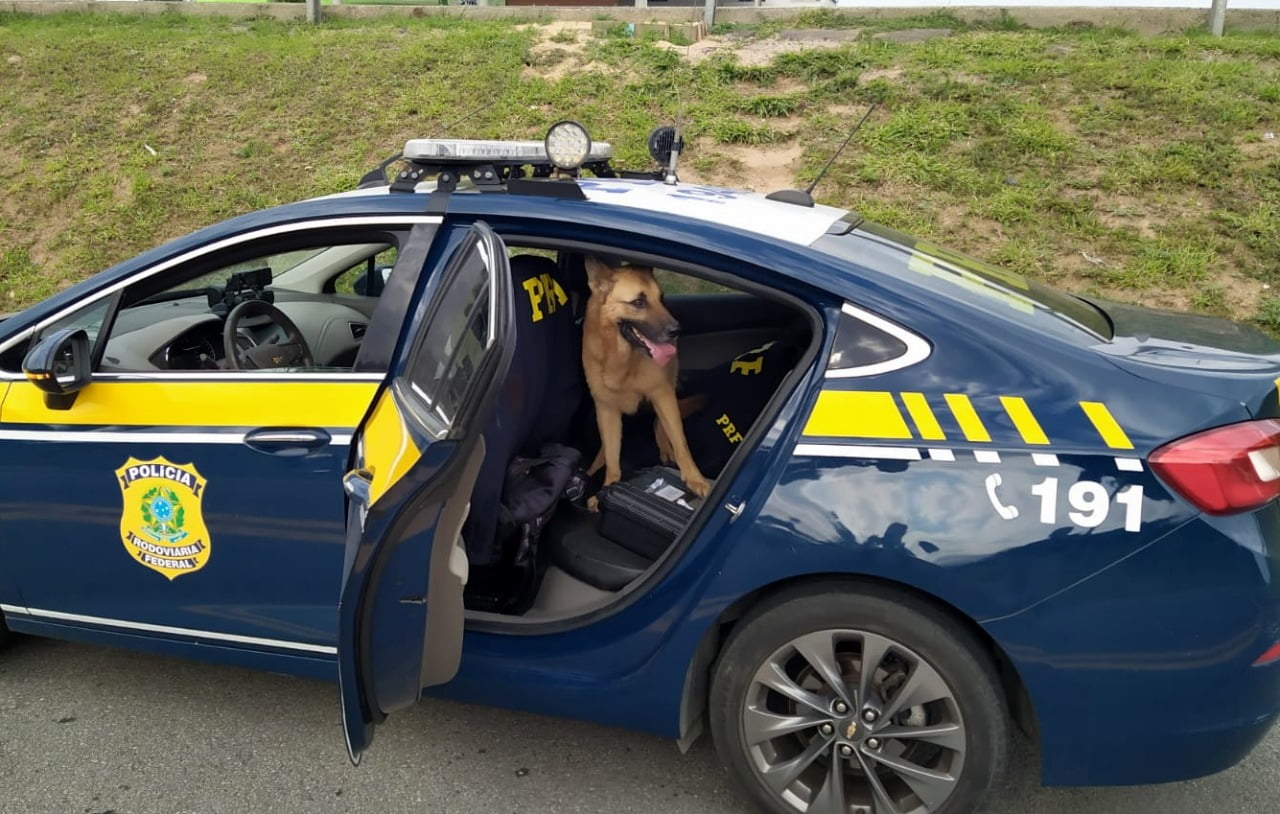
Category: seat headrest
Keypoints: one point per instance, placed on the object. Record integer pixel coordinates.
(527, 266)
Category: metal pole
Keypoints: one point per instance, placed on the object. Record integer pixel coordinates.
(709, 16)
(1217, 17)
(313, 11)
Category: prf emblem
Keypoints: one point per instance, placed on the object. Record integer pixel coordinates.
(161, 524)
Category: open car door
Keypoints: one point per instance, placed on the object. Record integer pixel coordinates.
(416, 459)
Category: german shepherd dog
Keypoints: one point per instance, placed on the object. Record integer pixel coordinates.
(629, 357)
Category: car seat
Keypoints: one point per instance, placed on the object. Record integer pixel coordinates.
(540, 394)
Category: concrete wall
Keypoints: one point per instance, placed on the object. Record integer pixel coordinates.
(1144, 20)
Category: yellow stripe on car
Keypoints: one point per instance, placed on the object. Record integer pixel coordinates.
(922, 414)
(1106, 425)
(1023, 420)
(857, 414)
(389, 450)
(967, 417)
(877, 415)
(196, 404)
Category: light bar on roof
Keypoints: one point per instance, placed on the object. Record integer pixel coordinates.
(467, 151)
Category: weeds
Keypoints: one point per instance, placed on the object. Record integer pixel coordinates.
(770, 106)
(1131, 167)
(1268, 315)
(736, 131)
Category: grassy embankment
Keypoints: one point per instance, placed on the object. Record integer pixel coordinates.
(1135, 167)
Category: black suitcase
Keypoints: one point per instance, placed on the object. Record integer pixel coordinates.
(646, 513)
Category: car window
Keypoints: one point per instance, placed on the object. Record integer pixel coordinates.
(277, 263)
(176, 320)
(866, 344)
(673, 282)
(356, 280)
(90, 318)
(550, 254)
(453, 345)
(989, 288)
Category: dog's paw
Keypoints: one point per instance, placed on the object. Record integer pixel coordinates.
(698, 486)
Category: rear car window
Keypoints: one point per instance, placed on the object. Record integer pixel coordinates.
(965, 278)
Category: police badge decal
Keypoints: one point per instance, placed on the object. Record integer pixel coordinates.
(161, 523)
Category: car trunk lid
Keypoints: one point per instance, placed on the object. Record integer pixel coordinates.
(1195, 352)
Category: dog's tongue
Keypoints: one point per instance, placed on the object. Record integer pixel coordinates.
(660, 351)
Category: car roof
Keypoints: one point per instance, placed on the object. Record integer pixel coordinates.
(739, 209)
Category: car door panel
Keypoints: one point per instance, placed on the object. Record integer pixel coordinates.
(416, 461)
(9, 594)
(425, 514)
(253, 507)
(247, 524)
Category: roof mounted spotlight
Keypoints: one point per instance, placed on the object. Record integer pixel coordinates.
(568, 145)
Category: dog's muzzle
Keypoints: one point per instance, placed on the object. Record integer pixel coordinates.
(661, 349)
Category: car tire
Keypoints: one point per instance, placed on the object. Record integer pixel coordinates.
(4, 632)
(932, 726)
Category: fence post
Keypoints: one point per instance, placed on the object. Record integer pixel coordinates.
(313, 11)
(709, 15)
(1217, 17)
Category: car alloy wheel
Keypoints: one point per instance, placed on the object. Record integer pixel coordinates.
(846, 718)
(834, 702)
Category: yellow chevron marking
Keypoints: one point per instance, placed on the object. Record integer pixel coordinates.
(857, 414)
(1026, 423)
(967, 417)
(922, 414)
(1106, 425)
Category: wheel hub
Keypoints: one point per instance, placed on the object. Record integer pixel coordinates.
(829, 723)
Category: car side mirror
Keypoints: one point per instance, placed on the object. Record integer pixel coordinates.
(59, 365)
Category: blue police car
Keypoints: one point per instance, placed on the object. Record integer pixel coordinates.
(346, 438)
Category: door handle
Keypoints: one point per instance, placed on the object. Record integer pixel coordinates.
(287, 440)
(735, 509)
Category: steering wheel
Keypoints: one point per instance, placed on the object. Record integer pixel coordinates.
(292, 352)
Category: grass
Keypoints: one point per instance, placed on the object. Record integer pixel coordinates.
(1132, 167)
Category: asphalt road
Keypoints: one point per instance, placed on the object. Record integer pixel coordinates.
(86, 730)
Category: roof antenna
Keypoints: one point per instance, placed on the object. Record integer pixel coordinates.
(464, 117)
(377, 176)
(805, 197)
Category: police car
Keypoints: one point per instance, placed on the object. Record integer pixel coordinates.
(947, 501)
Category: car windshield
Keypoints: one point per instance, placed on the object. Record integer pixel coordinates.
(964, 277)
(277, 264)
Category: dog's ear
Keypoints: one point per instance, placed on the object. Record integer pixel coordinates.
(599, 274)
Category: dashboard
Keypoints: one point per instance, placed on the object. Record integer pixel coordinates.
(200, 347)
(185, 335)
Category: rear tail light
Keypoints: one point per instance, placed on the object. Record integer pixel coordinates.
(1269, 657)
(1224, 470)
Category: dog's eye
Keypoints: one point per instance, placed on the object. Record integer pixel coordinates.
(639, 302)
